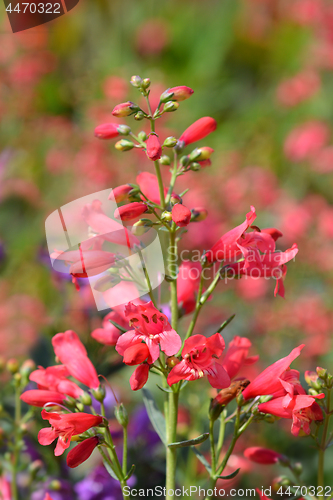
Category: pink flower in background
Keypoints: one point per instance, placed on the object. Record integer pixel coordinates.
(72, 353)
(263, 456)
(298, 88)
(323, 161)
(201, 358)
(115, 88)
(5, 489)
(305, 141)
(148, 184)
(152, 37)
(153, 328)
(109, 334)
(54, 378)
(187, 285)
(64, 426)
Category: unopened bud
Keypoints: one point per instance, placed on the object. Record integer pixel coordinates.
(12, 365)
(124, 129)
(198, 214)
(140, 227)
(142, 136)
(136, 81)
(85, 399)
(199, 154)
(124, 145)
(146, 83)
(165, 160)
(170, 142)
(321, 372)
(125, 109)
(121, 415)
(55, 485)
(139, 116)
(167, 216)
(184, 161)
(297, 468)
(35, 466)
(170, 106)
(99, 394)
(172, 361)
(27, 367)
(179, 93)
(17, 377)
(195, 166)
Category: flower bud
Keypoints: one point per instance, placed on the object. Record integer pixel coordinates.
(198, 130)
(2, 363)
(125, 109)
(85, 399)
(55, 485)
(225, 396)
(195, 166)
(184, 161)
(130, 211)
(167, 216)
(146, 83)
(139, 228)
(165, 160)
(201, 154)
(142, 136)
(82, 451)
(107, 131)
(136, 354)
(120, 193)
(198, 214)
(172, 361)
(136, 81)
(170, 142)
(321, 372)
(27, 367)
(153, 147)
(181, 215)
(99, 393)
(139, 116)
(179, 93)
(139, 377)
(124, 145)
(12, 365)
(170, 106)
(121, 415)
(124, 129)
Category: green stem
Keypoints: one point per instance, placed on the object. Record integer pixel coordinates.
(212, 446)
(173, 284)
(173, 178)
(17, 438)
(124, 451)
(322, 449)
(171, 453)
(220, 440)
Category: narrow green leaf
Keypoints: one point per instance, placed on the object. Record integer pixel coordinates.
(202, 459)
(130, 472)
(123, 330)
(226, 323)
(110, 470)
(164, 389)
(230, 476)
(190, 442)
(155, 416)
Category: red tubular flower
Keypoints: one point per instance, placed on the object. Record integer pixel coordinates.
(120, 193)
(227, 246)
(201, 154)
(125, 109)
(130, 211)
(181, 215)
(262, 455)
(268, 381)
(198, 130)
(236, 356)
(47, 496)
(136, 354)
(148, 184)
(54, 378)
(199, 214)
(302, 409)
(107, 131)
(109, 334)
(179, 93)
(273, 232)
(64, 426)
(200, 358)
(81, 452)
(72, 353)
(36, 397)
(152, 327)
(188, 285)
(139, 377)
(153, 147)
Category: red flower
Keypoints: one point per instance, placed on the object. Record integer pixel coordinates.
(109, 334)
(81, 452)
(125, 109)
(153, 147)
(179, 93)
(148, 184)
(120, 193)
(47, 496)
(54, 378)
(64, 426)
(181, 215)
(200, 358)
(262, 455)
(187, 285)
(236, 356)
(72, 353)
(268, 382)
(139, 377)
(5, 489)
(130, 211)
(107, 131)
(151, 327)
(136, 354)
(198, 130)
(37, 397)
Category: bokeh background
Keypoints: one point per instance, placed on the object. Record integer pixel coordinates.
(264, 70)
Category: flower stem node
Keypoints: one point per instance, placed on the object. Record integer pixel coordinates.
(165, 160)
(99, 394)
(124, 145)
(170, 142)
(170, 106)
(85, 399)
(121, 415)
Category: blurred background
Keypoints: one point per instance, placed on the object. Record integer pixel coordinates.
(264, 70)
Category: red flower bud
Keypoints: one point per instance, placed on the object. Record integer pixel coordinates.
(179, 93)
(82, 452)
(201, 154)
(153, 148)
(120, 193)
(263, 455)
(198, 130)
(199, 214)
(130, 211)
(181, 215)
(37, 397)
(125, 109)
(139, 377)
(107, 131)
(136, 354)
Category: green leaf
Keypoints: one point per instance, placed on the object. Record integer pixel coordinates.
(110, 470)
(230, 476)
(155, 416)
(123, 330)
(202, 459)
(226, 323)
(130, 472)
(191, 442)
(164, 389)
